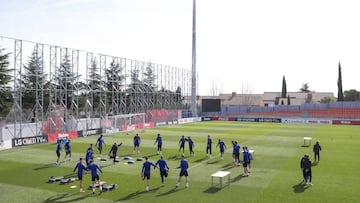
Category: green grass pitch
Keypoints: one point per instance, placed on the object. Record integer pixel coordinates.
(275, 171)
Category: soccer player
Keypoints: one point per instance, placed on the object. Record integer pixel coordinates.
(222, 147)
(113, 151)
(89, 154)
(163, 167)
(191, 146)
(93, 167)
(246, 158)
(137, 141)
(99, 143)
(183, 172)
(158, 140)
(208, 146)
(302, 161)
(67, 150)
(182, 144)
(58, 150)
(145, 172)
(307, 170)
(316, 150)
(80, 172)
(236, 152)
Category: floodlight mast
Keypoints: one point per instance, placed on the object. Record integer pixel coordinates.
(193, 68)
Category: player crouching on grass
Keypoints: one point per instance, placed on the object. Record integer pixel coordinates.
(80, 172)
(94, 175)
(145, 172)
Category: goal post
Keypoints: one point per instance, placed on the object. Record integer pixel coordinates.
(124, 122)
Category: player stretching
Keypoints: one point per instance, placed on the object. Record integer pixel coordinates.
(161, 163)
(145, 172)
(80, 172)
(159, 143)
(93, 167)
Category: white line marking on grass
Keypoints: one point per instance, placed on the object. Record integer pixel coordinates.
(202, 162)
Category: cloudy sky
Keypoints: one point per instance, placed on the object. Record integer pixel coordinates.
(240, 43)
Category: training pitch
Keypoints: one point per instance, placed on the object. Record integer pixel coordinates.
(275, 171)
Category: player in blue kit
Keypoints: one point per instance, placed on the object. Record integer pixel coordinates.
(158, 140)
(236, 152)
(246, 157)
(191, 146)
(80, 172)
(67, 150)
(208, 147)
(100, 143)
(137, 141)
(182, 144)
(163, 167)
(58, 151)
(145, 171)
(222, 147)
(89, 154)
(93, 167)
(183, 172)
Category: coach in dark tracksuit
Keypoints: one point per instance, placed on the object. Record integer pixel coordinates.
(306, 168)
(316, 150)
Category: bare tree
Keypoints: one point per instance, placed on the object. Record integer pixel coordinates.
(247, 91)
(216, 87)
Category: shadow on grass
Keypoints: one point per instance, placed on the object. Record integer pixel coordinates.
(214, 189)
(300, 187)
(314, 163)
(170, 192)
(63, 198)
(45, 166)
(305, 145)
(151, 155)
(135, 194)
(213, 161)
(237, 178)
(200, 160)
(227, 166)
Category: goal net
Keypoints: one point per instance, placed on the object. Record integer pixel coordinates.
(124, 122)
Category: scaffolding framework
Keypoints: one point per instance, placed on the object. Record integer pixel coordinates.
(65, 90)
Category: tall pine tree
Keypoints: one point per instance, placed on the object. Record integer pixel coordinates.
(5, 79)
(284, 91)
(339, 83)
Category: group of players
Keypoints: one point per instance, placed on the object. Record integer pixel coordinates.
(161, 164)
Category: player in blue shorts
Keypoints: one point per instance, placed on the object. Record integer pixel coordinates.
(163, 167)
(222, 147)
(236, 153)
(137, 141)
(182, 144)
(183, 172)
(158, 140)
(58, 151)
(67, 150)
(80, 172)
(100, 143)
(94, 168)
(208, 147)
(145, 171)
